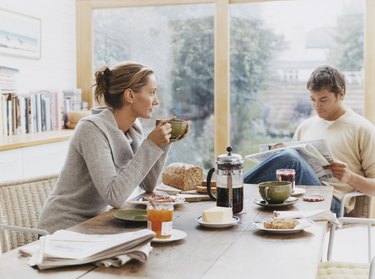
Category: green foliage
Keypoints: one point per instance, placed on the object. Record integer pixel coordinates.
(252, 49)
(348, 53)
(193, 54)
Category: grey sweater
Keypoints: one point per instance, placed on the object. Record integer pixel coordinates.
(102, 168)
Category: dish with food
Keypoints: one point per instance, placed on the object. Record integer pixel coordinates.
(264, 225)
(175, 200)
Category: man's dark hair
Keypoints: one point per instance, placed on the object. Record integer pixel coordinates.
(326, 77)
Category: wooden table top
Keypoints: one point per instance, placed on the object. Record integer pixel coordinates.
(240, 251)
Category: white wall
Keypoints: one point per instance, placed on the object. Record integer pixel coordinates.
(56, 69)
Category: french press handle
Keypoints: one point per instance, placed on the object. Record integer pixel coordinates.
(209, 191)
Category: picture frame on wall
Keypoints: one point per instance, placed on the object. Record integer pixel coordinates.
(20, 35)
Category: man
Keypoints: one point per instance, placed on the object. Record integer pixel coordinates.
(350, 137)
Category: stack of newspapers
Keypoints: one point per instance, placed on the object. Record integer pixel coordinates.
(65, 248)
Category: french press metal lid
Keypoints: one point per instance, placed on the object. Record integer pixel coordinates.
(230, 161)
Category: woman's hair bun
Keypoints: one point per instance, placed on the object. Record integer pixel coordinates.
(107, 73)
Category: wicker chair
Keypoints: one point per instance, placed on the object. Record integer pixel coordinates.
(363, 205)
(21, 202)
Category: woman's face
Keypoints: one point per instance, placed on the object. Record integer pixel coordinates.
(146, 99)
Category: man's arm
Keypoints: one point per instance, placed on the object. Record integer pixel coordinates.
(341, 171)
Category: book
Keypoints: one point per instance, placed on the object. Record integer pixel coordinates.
(315, 152)
(66, 248)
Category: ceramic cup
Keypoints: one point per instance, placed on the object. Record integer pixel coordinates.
(178, 127)
(275, 191)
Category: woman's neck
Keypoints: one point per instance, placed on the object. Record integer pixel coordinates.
(123, 119)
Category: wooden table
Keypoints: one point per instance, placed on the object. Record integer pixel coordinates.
(240, 251)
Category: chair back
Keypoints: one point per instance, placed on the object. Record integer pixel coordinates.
(21, 202)
(363, 205)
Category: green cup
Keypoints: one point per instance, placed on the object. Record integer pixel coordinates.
(178, 128)
(275, 191)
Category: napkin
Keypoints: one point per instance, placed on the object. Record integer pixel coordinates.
(316, 215)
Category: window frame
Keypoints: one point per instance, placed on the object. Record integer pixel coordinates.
(84, 11)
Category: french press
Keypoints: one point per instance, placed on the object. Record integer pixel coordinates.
(229, 181)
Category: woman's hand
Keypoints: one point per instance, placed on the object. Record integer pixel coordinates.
(161, 134)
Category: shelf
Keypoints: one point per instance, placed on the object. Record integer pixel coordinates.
(19, 141)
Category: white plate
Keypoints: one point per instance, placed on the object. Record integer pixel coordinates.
(303, 224)
(210, 225)
(298, 191)
(138, 200)
(176, 235)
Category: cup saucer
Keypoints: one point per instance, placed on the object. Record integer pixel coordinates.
(176, 235)
(289, 201)
(235, 220)
(298, 191)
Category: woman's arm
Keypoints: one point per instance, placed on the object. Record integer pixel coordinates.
(114, 183)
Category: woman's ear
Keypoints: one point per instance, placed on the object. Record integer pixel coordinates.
(341, 95)
(129, 96)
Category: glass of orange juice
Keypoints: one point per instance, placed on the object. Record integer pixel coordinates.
(160, 218)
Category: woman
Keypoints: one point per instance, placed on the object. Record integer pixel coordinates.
(108, 156)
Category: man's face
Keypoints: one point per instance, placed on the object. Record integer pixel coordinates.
(326, 104)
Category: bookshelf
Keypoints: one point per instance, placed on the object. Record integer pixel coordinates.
(33, 118)
(33, 141)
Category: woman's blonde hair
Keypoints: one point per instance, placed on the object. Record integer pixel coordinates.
(111, 83)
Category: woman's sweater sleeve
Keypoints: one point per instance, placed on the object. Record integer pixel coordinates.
(115, 184)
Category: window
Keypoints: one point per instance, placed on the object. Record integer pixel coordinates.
(177, 42)
(274, 48)
(272, 55)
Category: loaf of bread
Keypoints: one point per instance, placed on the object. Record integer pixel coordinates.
(182, 176)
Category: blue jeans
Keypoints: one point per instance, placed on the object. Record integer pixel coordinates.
(287, 159)
(335, 206)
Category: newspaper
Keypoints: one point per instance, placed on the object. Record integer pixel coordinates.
(65, 248)
(315, 152)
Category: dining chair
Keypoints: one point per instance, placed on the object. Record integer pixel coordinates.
(346, 270)
(21, 202)
(363, 206)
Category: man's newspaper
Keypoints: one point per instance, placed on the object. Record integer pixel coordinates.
(64, 248)
(315, 152)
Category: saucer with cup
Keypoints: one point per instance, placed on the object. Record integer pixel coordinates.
(275, 194)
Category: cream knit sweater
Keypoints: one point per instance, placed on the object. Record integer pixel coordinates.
(102, 168)
(351, 139)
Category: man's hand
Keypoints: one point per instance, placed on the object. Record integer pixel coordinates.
(341, 171)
